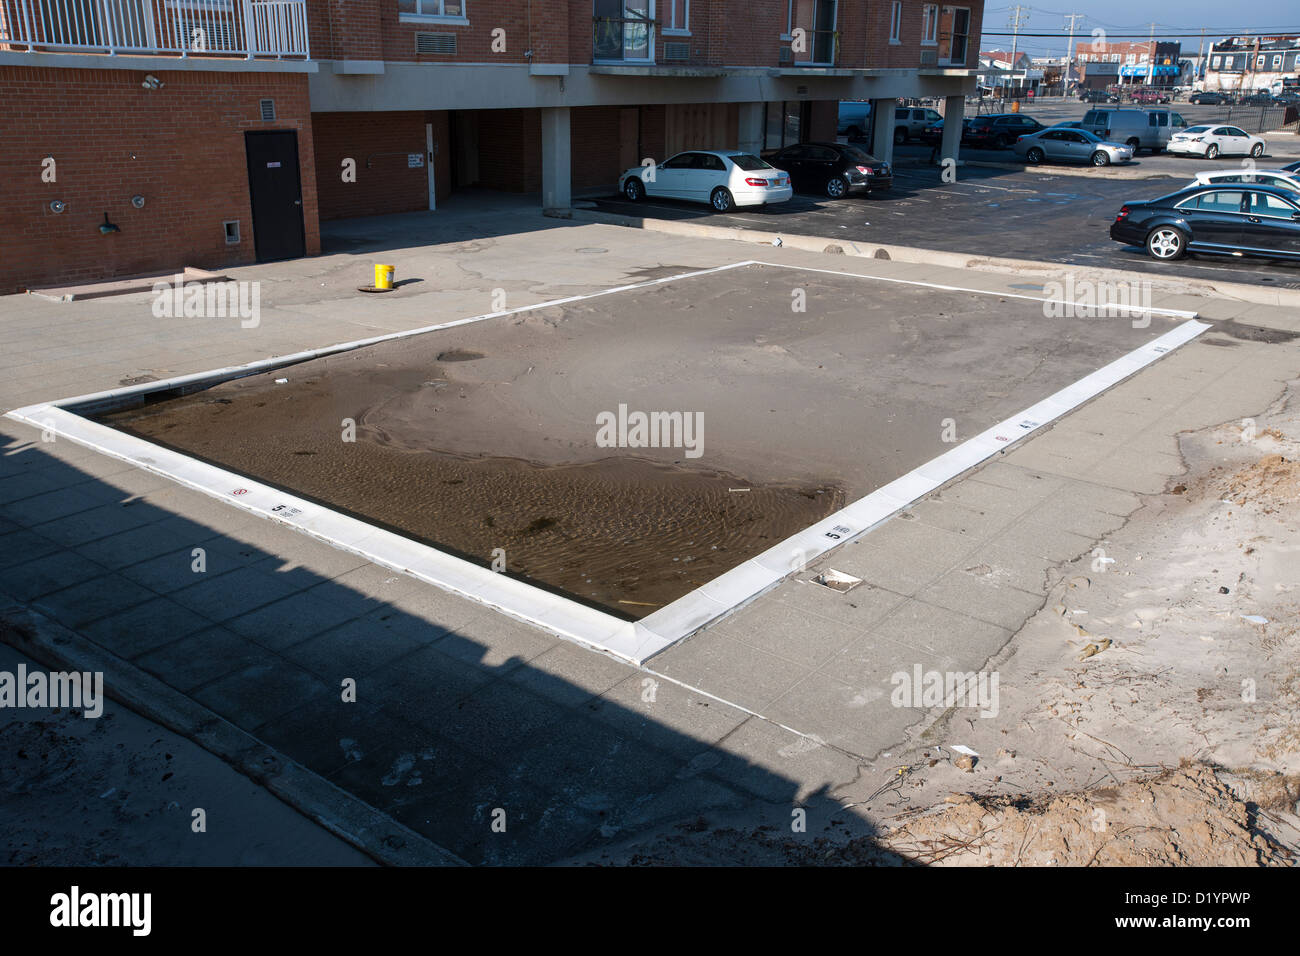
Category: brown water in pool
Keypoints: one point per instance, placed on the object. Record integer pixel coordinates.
(623, 533)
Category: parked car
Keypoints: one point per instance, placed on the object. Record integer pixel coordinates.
(1256, 99)
(1209, 98)
(1291, 167)
(833, 169)
(910, 122)
(999, 130)
(1070, 146)
(1098, 96)
(723, 179)
(932, 135)
(1280, 178)
(1211, 141)
(1149, 96)
(1140, 129)
(854, 119)
(1243, 220)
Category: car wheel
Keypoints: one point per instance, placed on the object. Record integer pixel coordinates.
(633, 189)
(836, 187)
(1166, 243)
(1034, 156)
(1100, 158)
(721, 200)
(1133, 143)
(1257, 150)
(900, 137)
(1211, 151)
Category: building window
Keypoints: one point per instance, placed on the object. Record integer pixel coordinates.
(817, 19)
(954, 29)
(1259, 62)
(895, 21)
(623, 31)
(930, 24)
(1277, 61)
(434, 9)
(676, 16)
(1214, 62)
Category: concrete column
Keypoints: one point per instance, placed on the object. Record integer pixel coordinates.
(557, 166)
(882, 129)
(954, 109)
(752, 116)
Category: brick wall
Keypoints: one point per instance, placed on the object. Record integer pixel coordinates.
(387, 184)
(723, 32)
(181, 147)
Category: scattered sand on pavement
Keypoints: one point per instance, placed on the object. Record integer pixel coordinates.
(1150, 712)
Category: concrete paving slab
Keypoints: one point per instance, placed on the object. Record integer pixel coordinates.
(145, 627)
(203, 656)
(80, 604)
(983, 598)
(729, 668)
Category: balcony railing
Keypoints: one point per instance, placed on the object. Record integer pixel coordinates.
(249, 28)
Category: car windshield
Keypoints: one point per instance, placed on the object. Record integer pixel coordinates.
(1197, 129)
(748, 161)
(856, 155)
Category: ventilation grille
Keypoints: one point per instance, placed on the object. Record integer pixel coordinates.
(785, 56)
(677, 51)
(929, 57)
(440, 43)
(268, 111)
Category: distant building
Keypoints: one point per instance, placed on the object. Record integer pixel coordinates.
(1249, 63)
(1130, 63)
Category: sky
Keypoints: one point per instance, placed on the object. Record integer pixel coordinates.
(1135, 16)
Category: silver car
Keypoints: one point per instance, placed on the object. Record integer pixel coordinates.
(1062, 144)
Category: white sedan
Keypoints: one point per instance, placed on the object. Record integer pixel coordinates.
(1212, 141)
(1280, 178)
(723, 179)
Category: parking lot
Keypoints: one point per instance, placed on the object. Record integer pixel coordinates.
(1041, 214)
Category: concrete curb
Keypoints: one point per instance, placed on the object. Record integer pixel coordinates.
(1174, 285)
(370, 831)
(1118, 173)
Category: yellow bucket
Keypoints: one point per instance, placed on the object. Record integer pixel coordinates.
(384, 276)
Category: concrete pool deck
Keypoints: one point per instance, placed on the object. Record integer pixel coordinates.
(461, 711)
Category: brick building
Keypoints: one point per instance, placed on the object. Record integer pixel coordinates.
(220, 132)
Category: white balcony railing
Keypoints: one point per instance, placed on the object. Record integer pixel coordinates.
(250, 28)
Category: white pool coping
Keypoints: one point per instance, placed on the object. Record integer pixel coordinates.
(637, 641)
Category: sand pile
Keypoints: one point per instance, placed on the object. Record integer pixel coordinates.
(1182, 817)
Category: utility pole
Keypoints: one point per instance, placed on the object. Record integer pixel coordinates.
(1151, 74)
(1018, 17)
(1069, 50)
(1199, 72)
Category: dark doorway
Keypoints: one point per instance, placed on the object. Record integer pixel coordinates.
(275, 191)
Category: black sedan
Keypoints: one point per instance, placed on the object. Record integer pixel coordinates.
(999, 130)
(832, 169)
(1239, 219)
(1210, 98)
